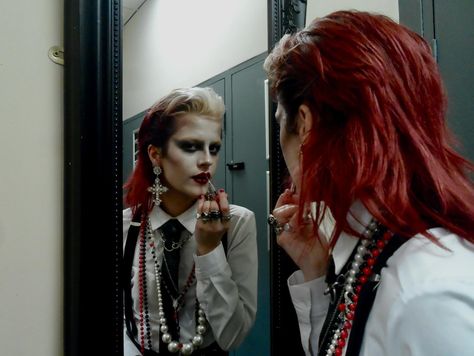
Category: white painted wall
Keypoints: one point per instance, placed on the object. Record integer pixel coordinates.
(320, 8)
(31, 176)
(179, 43)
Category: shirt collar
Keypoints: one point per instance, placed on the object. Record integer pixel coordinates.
(188, 219)
(358, 218)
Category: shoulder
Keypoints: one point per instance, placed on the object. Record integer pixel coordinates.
(242, 223)
(420, 260)
(240, 212)
(420, 268)
(430, 288)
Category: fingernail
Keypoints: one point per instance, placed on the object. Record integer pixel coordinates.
(221, 190)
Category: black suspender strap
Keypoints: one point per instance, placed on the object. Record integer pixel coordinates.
(367, 297)
(129, 252)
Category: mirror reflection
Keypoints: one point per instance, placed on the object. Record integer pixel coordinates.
(189, 152)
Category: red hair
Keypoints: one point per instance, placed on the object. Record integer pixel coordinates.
(158, 125)
(379, 133)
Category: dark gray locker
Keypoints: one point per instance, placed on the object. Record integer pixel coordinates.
(448, 27)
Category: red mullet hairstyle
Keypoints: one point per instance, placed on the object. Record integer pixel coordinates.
(379, 133)
(158, 125)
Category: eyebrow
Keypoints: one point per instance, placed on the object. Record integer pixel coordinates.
(195, 141)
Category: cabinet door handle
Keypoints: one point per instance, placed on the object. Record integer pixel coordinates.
(236, 166)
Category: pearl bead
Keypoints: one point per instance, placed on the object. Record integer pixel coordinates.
(332, 348)
(201, 312)
(161, 314)
(164, 329)
(350, 280)
(361, 249)
(358, 257)
(162, 321)
(173, 347)
(166, 338)
(201, 329)
(352, 272)
(348, 288)
(201, 320)
(198, 340)
(187, 349)
(355, 265)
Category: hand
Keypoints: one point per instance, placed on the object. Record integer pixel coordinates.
(209, 233)
(309, 252)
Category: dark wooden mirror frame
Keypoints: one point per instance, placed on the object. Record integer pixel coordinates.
(93, 177)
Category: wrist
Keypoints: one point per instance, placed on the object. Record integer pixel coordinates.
(205, 249)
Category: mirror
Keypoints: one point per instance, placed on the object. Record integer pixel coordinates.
(93, 171)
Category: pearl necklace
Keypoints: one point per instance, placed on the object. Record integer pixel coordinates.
(201, 324)
(363, 261)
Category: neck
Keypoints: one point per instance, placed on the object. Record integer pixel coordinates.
(175, 206)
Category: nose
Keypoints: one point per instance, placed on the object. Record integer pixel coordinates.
(205, 160)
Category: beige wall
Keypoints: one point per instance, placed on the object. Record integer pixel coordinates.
(178, 43)
(319, 8)
(30, 179)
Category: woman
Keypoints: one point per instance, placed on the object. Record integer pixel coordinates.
(361, 110)
(190, 287)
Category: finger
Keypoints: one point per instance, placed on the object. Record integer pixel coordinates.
(205, 206)
(223, 202)
(286, 197)
(285, 212)
(201, 201)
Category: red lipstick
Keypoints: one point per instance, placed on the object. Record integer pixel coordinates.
(202, 178)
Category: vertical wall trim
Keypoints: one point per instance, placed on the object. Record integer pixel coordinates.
(92, 168)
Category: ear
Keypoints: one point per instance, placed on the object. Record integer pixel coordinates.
(154, 153)
(305, 121)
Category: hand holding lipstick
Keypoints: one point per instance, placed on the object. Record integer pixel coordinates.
(213, 219)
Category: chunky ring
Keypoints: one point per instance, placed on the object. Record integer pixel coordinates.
(287, 227)
(204, 216)
(273, 222)
(215, 214)
(226, 217)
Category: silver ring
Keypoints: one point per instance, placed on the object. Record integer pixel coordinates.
(226, 217)
(204, 216)
(215, 215)
(273, 222)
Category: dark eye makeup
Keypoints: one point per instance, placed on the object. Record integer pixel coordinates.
(191, 146)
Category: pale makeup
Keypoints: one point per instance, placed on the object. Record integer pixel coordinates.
(290, 145)
(192, 150)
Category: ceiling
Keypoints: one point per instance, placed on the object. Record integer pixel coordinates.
(129, 8)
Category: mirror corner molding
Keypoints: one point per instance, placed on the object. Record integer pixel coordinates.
(92, 177)
(284, 16)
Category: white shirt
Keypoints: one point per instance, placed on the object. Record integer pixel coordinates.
(226, 287)
(424, 305)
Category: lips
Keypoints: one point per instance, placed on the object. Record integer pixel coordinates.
(202, 178)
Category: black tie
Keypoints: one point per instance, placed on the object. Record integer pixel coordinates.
(171, 230)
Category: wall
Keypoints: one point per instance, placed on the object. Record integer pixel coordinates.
(178, 43)
(319, 8)
(31, 179)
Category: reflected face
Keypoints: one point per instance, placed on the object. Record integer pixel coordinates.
(290, 145)
(191, 157)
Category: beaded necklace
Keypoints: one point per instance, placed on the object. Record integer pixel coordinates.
(360, 271)
(187, 348)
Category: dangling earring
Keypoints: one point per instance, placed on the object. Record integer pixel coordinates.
(157, 188)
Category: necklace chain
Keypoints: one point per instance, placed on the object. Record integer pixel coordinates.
(351, 282)
(174, 346)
